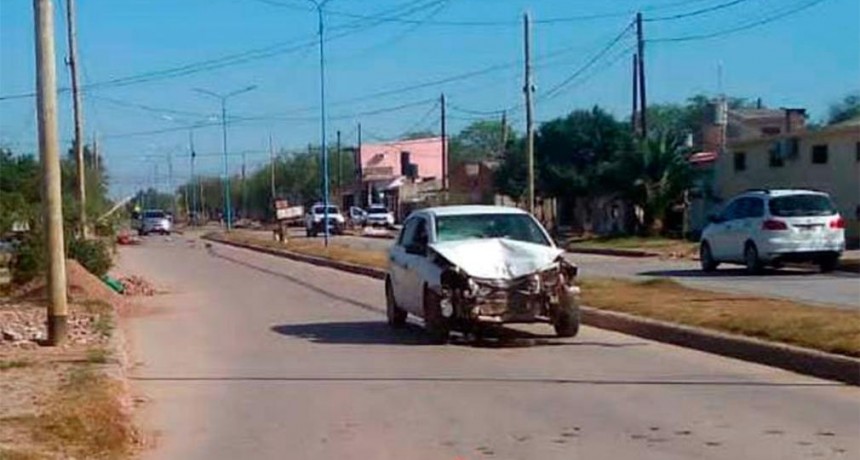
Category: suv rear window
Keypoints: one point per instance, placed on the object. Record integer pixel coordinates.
(802, 205)
(153, 215)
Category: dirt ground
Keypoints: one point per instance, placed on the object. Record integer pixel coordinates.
(66, 401)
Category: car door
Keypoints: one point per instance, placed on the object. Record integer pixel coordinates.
(738, 228)
(415, 257)
(720, 234)
(399, 263)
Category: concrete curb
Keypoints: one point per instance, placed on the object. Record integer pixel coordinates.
(801, 360)
(613, 252)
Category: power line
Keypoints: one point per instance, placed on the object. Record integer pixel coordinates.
(750, 25)
(698, 12)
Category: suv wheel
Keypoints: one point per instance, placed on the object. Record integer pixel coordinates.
(751, 260)
(435, 324)
(566, 323)
(706, 258)
(396, 315)
(828, 263)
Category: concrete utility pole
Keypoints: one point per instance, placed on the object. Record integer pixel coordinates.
(193, 187)
(528, 89)
(49, 148)
(504, 142)
(640, 51)
(634, 124)
(325, 182)
(339, 167)
(444, 130)
(79, 118)
(228, 208)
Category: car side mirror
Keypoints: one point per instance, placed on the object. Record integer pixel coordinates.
(416, 249)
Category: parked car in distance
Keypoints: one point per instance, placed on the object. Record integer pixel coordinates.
(315, 220)
(154, 221)
(771, 227)
(357, 216)
(465, 267)
(379, 216)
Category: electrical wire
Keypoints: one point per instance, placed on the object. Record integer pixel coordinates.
(698, 12)
(749, 25)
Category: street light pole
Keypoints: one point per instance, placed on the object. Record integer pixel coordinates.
(228, 211)
(325, 185)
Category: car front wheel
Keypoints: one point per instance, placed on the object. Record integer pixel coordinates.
(706, 258)
(435, 323)
(751, 260)
(566, 322)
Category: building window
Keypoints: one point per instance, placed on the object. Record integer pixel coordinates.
(775, 157)
(740, 161)
(819, 154)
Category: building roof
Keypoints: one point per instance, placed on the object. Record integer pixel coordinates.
(749, 114)
(472, 209)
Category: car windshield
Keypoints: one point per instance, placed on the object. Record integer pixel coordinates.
(377, 210)
(154, 215)
(802, 205)
(321, 210)
(519, 227)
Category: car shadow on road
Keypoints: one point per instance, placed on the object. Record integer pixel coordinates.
(379, 333)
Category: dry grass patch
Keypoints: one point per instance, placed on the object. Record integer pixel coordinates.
(822, 328)
(85, 418)
(668, 247)
(315, 247)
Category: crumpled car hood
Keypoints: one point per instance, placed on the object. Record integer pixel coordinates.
(497, 258)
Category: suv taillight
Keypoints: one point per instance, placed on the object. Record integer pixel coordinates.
(773, 224)
(839, 222)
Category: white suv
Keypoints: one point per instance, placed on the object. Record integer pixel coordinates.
(769, 227)
(315, 220)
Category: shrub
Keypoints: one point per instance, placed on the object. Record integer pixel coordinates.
(94, 255)
(29, 261)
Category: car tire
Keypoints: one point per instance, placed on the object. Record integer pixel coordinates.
(436, 325)
(567, 320)
(751, 259)
(706, 258)
(828, 263)
(396, 315)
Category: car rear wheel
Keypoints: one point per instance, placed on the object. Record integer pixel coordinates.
(751, 260)
(396, 315)
(828, 263)
(706, 258)
(436, 325)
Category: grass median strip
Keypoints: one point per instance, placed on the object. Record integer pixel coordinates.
(821, 328)
(667, 247)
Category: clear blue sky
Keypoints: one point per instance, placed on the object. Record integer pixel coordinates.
(807, 59)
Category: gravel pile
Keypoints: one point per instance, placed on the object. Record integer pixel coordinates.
(135, 285)
(23, 325)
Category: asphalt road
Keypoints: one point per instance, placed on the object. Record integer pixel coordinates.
(252, 356)
(837, 289)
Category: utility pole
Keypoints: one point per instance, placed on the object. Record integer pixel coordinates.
(272, 168)
(49, 148)
(358, 172)
(634, 114)
(504, 144)
(640, 51)
(79, 118)
(444, 129)
(244, 189)
(339, 167)
(96, 159)
(193, 185)
(170, 183)
(528, 89)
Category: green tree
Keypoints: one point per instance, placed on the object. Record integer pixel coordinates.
(846, 109)
(479, 141)
(657, 173)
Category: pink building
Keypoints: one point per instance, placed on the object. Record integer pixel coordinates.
(416, 159)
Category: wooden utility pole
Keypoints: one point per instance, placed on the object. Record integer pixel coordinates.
(49, 148)
(444, 129)
(272, 168)
(634, 114)
(528, 89)
(640, 51)
(79, 117)
(504, 144)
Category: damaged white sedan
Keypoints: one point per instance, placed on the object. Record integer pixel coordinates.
(464, 267)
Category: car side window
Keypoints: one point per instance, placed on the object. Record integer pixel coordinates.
(755, 208)
(421, 237)
(407, 235)
(730, 212)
